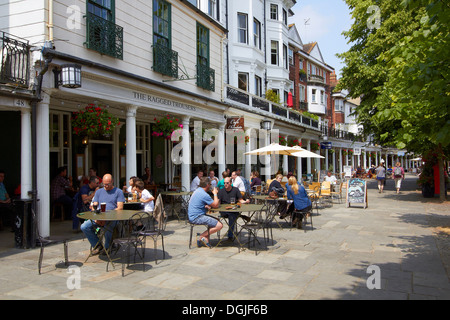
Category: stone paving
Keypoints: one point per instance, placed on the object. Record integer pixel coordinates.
(396, 235)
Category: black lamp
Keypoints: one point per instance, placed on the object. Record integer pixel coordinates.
(69, 76)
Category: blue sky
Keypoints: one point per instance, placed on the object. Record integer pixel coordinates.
(327, 20)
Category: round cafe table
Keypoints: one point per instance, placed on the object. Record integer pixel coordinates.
(108, 215)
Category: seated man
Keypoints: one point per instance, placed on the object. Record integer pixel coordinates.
(225, 196)
(58, 188)
(195, 182)
(199, 203)
(86, 195)
(114, 199)
(330, 177)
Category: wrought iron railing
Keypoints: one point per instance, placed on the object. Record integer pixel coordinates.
(15, 60)
(341, 134)
(315, 78)
(165, 60)
(206, 78)
(252, 101)
(104, 36)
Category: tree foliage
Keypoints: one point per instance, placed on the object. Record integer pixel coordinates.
(401, 72)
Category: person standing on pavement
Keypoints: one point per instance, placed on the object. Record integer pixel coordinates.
(399, 176)
(381, 176)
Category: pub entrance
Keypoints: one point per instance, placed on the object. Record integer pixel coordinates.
(102, 157)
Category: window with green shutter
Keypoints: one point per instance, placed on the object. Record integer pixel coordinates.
(102, 34)
(165, 60)
(205, 75)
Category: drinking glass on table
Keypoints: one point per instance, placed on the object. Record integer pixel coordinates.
(232, 200)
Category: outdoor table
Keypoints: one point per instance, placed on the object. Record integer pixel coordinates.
(234, 208)
(132, 205)
(173, 195)
(108, 216)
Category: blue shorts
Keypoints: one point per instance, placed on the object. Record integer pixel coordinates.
(205, 220)
(380, 178)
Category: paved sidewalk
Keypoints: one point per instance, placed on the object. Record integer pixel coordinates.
(402, 236)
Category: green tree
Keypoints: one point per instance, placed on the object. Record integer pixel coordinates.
(401, 72)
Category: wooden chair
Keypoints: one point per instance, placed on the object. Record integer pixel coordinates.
(59, 205)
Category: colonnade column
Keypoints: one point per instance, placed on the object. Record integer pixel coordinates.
(340, 161)
(186, 157)
(299, 167)
(285, 161)
(308, 160)
(221, 150)
(131, 142)
(248, 158)
(42, 163)
(26, 156)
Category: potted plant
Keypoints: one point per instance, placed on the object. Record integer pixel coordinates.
(93, 121)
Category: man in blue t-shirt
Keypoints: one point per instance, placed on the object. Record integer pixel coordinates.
(114, 199)
(199, 203)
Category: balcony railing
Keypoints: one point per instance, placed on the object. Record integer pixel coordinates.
(165, 60)
(254, 102)
(341, 134)
(315, 78)
(206, 78)
(15, 60)
(104, 36)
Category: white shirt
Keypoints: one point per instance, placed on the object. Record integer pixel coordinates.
(332, 179)
(194, 184)
(148, 206)
(238, 183)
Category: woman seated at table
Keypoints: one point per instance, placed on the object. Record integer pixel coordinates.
(254, 181)
(276, 186)
(301, 204)
(145, 196)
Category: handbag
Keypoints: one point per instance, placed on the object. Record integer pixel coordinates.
(273, 194)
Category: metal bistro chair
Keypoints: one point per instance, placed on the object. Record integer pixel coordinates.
(46, 241)
(156, 225)
(132, 238)
(255, 226)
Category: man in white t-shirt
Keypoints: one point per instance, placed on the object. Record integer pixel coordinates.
(330, 177)
(237, 182)
(195, 182)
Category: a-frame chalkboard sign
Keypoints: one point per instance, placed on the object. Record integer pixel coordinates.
(356, 192)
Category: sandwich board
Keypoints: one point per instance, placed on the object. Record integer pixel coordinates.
(356, 193)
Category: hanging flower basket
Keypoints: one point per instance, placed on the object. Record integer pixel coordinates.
(93, 121)
(294, 142)
(282, 141)
(344, 152)
(315, 146)
(165, 126)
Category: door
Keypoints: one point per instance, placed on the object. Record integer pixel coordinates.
(102, 158)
